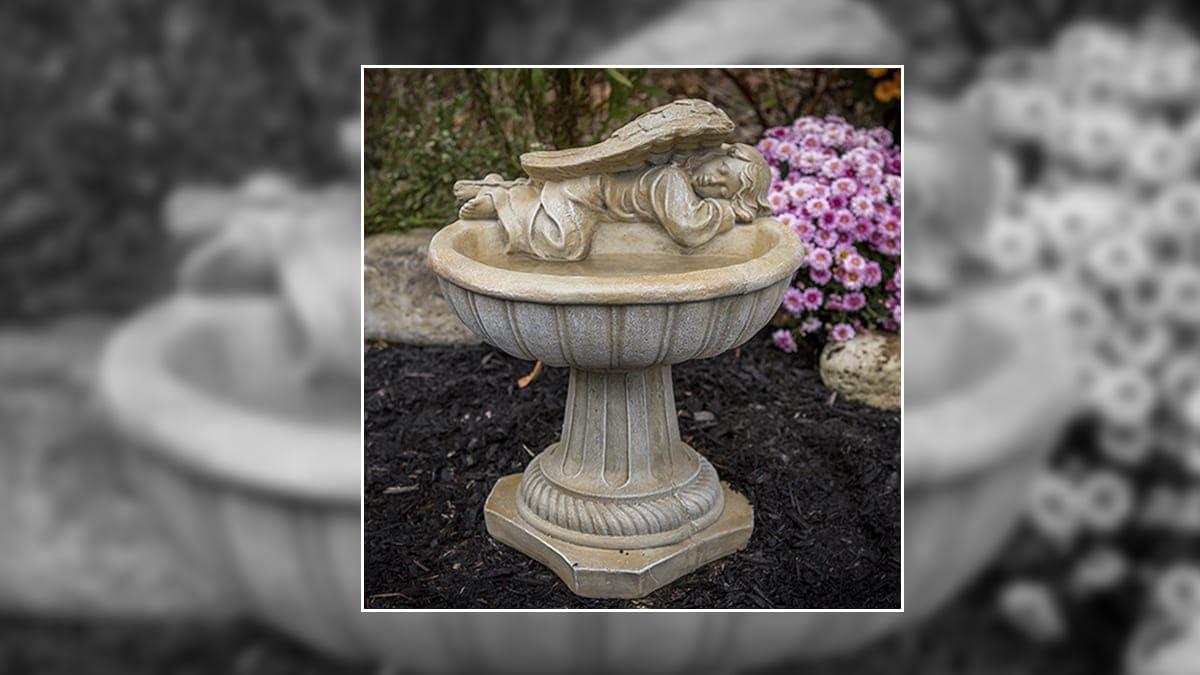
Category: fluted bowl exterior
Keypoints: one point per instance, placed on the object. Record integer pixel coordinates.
(629, 316)
(615, 337)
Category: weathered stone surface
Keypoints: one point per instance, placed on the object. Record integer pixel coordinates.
(865, 368)
(583, 265)
(401, 299)
(594, 572)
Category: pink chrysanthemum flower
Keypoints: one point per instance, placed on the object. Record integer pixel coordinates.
(881, 136)
(862, 206)
(878, 194)
(893, 185)
(854, 301)
(826, 239)
(808, 125)
(890, 227)
(819, 258)
(810, 325)
(786, 148)
(838, 201)
(826, 219)
(853, 280)
(834, 302)
(808, 162)
(873, 274)
(817, 206)
(845, 186)
(793, 301)
(842, 332)
(864, 229)
(779, 200)
(889, 247)
(820, 277)
(897, 313)
(804, 230)
(835, 135)
(868, 174)
(810, 142)
(767, 147)
(834, 167)
(813, 298)
(784, 340)
(844, 220)
(799, 192)
(854, 263)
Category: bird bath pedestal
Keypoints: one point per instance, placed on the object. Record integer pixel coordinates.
(618, 272)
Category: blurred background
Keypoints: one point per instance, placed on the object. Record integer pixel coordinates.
(1052, 159)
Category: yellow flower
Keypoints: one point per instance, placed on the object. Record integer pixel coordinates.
(877, 72)
(887, 90)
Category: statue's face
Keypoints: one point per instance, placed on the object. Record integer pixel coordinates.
(718, 177)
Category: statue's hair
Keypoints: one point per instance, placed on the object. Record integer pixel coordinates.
(750, 200)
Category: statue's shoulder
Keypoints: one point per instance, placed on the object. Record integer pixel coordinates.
(651, 139)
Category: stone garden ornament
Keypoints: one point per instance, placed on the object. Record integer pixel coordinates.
(617, 260)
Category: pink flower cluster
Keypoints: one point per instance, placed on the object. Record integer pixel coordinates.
(838, 187)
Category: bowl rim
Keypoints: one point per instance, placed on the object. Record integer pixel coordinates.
(1021, 406)
(218, 439)
(781, 259)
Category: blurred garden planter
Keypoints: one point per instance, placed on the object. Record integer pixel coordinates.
(986, 399)
(271, 504)
(865, 368)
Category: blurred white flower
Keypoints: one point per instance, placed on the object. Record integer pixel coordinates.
(1143, 298)
(1140, 344)
(1083, 44)
(1180, 377)
(1181, 295)
(1096, 140)
(1013, 245)
(1161, 507)
(1161, 647)
(1024, 112)
(1107, 499)
(1175, 592)
(1165, 73)
(1118, 260)
(1100, 569)
(1031, 607)
(1157, 157)
(1125, 444)
(1087, 318)
(1055, 507)
(1124, 395)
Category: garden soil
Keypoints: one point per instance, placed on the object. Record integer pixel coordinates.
(443, 424)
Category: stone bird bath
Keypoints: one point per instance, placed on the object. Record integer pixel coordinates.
(644, 279)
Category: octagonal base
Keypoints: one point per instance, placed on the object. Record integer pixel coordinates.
(607, 573)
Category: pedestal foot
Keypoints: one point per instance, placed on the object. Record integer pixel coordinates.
(615, 573)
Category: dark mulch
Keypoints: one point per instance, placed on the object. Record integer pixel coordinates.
(443, 424)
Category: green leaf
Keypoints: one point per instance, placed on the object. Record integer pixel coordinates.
(617, 76)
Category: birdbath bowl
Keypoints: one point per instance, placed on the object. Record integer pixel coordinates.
(619, 506)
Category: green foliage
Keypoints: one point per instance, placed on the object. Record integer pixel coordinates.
(427, 128)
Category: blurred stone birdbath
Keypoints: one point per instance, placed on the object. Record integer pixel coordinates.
(617, 260)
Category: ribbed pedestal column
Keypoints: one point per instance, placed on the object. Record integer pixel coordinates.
(620, 477)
